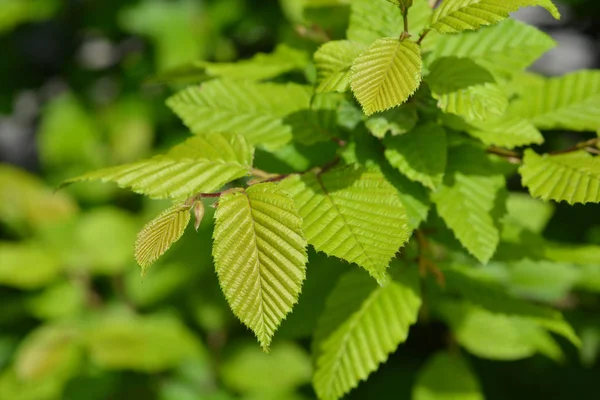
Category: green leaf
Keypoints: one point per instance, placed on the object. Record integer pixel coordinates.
(461, 15)
(446, 377)
(27, 265)
(16, 12)
(572, 177)
(260, 67)
(510, 45)
(483, 292)
(464, 88)
(544, 281)
(386, 74)
(160, 234)
(318, 123)
(260, 256)
(419, 154)
(249, 370)
(397, 121)
(469, 201)
(374, 19)
(253, 110)
(361, 325)
(496, 336)
(528, 212)
(509, 132)
(122, 341)
(333, 61)
(569, 102)
(200, 165)
(353, 214)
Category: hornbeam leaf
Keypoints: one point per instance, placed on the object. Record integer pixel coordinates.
(260, 256)
(361, 325)
(374, 19)
(469, 201)
(353, 214)
(509, 132)
(200, 165)
(160, 233)
(446, 377)
(333, 61)
(464, 88)
(253, 110)
(572, 177)
(461, 15)
(419, 154)
(568, 102)
(386, 74)
(510, 45)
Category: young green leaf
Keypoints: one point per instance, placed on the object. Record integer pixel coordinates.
(160, 234)
(361, 325)
(396, 121)
(461, 15)
(572, 177)
(333, 61)
(260, 256)
(509, 132)
(469, 201)
(353, 214)
(446, 377)
(386, 74)
(511, 45)
(201, 164)
(464, 88)
(420, 154)
(568, 102)
(253, 110)
(375, 19)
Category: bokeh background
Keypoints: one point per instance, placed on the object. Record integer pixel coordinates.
(77, 322)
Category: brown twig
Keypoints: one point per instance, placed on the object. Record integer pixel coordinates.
(578, 146)
(426, 265)
(510, 156)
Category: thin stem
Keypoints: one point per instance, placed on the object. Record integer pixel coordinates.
(510, 156)
(423, 35)
(579, 146)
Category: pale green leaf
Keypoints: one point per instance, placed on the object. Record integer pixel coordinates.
(396, 121)
(361, 325)
(260, 256)
(386, 74)
(253, 110)
(446, 377)
(160, 234)
(461, 15)
(496, 336)
(353, 214)
(469, 201)
(200, 165)
(374, 19)
(16, 12)
(260, 67)
(483, 292)
(250, 371)
(544, 281)
(508, 132)
(333, 61)
(464, 88)
(526, 211)
(510, 45)
(572, 177)
(420, 154)
(568, 102)
(27, 265)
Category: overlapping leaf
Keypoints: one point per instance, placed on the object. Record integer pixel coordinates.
(510, 45)
(260, 256)
(396, 121)
(374, 19)
(572, 177)
(568, 102)
(386, 74)
(333, 61)
(201, 164)
(160, 234)
(420, 154)
(361, 325)
(509, 132)
(260, 67)
(469, 201)
(253, 110)
(461, 15)
(353, 214)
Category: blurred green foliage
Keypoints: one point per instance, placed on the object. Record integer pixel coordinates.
(77, 321)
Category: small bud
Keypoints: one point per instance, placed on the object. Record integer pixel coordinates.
(198, 213)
